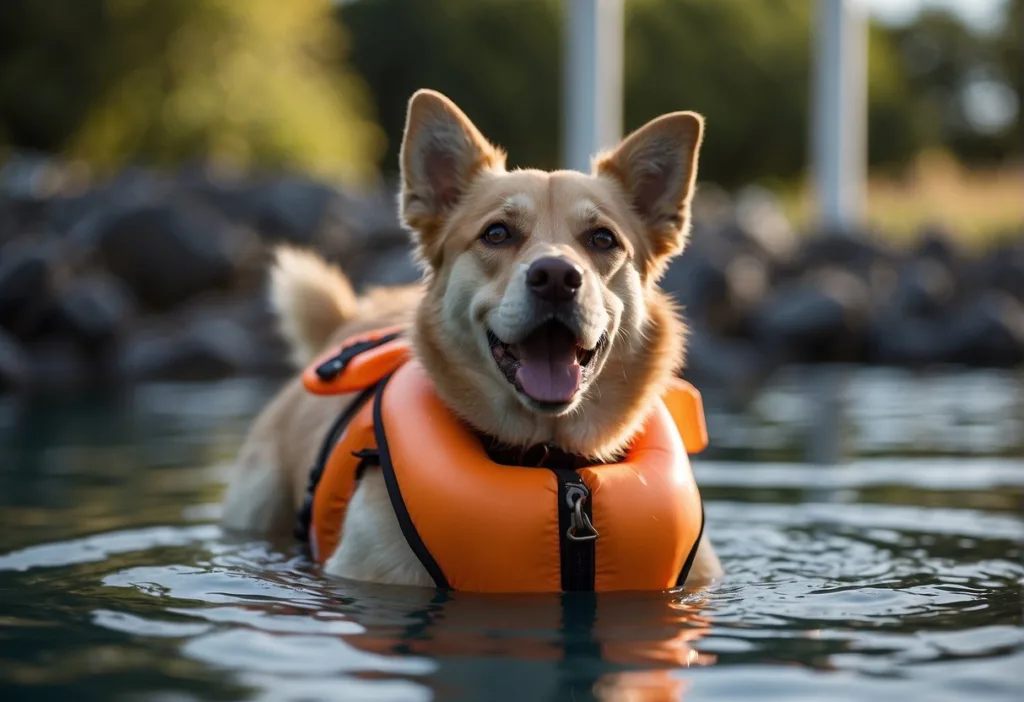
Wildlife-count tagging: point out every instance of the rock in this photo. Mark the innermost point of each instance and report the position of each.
(25, 287)
(14, 368)
(759, 214)
(988, 331)
(907, 341)
(925, 286)
(93, 310)
(1003, 268)
(698, 279)
(800, 315)
(734, 366)
(292, 209)
(167, 254)
(936, 243)
(57, 364)
(821, 317)
(208, 350)
(858, 253)
(395, 266)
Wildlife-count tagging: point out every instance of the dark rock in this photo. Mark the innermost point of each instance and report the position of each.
(57, 364)
(25, 287)
(988, 331)
(821, 317)
(763, 224)
(801, 315)
(698, 279)
(208, 350)
(925, 287)
(167, 254)
(391, 267)
(858, 253)
(734, 366)
(14, 367)
(897, 340)
(1003, 268)
(93, 310)
(936, 243)
(292, 209)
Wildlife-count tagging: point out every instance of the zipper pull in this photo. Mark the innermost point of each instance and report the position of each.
(580, 526)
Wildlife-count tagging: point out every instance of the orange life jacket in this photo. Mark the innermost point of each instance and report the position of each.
(480, 525)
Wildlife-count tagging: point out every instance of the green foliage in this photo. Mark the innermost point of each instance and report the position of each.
(744, 64)
(500, 60)
(254, 83)
(954, 73)
(278, 83)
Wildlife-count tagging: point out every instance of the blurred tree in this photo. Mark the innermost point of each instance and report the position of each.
(49, 69)
(965, 83)
(500, 60)
(116, 81)
(745, 65)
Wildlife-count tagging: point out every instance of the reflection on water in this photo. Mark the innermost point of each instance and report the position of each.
(895, 573)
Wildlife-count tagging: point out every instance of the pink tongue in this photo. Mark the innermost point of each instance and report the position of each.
(548, 371)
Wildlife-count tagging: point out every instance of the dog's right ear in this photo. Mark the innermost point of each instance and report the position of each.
(442, 151)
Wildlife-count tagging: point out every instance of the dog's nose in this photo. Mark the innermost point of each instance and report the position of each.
(554, 278)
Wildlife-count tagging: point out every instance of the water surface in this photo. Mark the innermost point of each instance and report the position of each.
(894, 575)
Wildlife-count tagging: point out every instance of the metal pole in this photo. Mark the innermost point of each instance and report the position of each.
(840, 113)
(839, 153)
(593, 79)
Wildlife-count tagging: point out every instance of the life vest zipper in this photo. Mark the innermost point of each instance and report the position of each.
(576, 541)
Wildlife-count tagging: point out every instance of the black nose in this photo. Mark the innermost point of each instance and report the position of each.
(554, 279)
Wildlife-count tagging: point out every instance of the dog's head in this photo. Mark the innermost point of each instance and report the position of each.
(543, 321)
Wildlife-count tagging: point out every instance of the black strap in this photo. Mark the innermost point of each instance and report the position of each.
(326, 371)
(681, 580)
(305, 516)
(578, 559)
(395, 493)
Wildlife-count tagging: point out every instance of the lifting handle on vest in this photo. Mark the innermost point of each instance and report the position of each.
(332, 367)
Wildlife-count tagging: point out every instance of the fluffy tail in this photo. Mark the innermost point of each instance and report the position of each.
(311, 298)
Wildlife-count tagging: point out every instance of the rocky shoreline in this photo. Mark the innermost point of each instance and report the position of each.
(161, 277)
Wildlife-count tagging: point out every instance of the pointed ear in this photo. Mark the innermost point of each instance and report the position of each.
(442, 151)
(657, 165)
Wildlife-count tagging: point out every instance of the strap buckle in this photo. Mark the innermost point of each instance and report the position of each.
(580, 522)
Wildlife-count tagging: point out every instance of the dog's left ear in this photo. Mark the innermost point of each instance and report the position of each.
(657, 165)
(442, 152)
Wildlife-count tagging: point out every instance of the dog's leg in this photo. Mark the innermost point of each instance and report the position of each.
(706, 568)
(258, 497)
(373, 547)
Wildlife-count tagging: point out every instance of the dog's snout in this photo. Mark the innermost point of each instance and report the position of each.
(554, 279)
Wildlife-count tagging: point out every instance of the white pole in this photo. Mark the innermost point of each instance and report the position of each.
(593, 79)
(839, 158)
(839, 115)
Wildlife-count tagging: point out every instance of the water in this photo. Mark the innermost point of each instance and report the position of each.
(895, 575)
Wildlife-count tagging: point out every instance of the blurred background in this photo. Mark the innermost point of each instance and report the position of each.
(153, 151)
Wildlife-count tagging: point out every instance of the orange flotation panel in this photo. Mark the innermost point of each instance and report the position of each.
(483, 526)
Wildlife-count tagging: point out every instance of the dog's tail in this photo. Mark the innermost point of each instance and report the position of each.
(311, 299)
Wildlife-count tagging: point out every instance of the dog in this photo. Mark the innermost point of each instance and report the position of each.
(539, 319)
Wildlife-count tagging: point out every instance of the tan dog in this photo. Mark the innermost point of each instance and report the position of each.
(540, 319)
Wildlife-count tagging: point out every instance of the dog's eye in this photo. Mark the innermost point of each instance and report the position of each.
(496, 235)
(603, 240)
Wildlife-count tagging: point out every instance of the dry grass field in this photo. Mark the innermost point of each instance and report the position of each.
(976, 206)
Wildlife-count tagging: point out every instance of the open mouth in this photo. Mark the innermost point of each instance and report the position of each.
(547, 366)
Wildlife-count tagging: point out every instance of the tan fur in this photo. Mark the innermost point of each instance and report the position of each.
(311, 299)
(454, 185)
